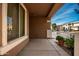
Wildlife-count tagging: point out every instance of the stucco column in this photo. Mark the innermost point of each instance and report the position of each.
(76, 45)
(4, 24)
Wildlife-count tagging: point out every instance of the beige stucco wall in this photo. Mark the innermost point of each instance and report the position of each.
(76, 49)
(38, 27)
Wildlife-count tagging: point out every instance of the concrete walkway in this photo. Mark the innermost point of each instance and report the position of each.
(42, 47)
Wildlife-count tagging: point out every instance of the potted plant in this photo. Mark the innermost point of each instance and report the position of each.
(70, 44)
(60, 40)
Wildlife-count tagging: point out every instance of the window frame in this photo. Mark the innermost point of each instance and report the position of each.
(19, 34)
(20, 22)
(4, 25)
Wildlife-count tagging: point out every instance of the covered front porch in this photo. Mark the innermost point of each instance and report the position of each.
(25, 33)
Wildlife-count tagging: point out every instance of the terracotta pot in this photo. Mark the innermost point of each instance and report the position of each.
(61, 42)
(65, 45)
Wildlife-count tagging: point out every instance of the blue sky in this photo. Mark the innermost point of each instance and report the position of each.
(66, 14)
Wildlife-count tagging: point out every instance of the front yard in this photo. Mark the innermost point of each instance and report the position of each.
(66, 41)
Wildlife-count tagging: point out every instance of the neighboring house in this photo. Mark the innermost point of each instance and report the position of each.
(59, 28)
(74, 26)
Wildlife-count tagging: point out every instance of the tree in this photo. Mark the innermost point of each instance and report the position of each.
(54, 26)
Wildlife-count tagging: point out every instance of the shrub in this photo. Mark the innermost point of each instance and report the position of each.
(59, 38)
(69, 42)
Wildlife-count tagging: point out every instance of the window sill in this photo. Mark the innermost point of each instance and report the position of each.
(12, 44)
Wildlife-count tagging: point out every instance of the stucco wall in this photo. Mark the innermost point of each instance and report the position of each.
(0, 24)
(76, 44)
(17, 48)
(38, 27)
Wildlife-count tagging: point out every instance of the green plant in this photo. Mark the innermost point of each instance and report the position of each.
(59, 38)
(69, 42)
(54, 26)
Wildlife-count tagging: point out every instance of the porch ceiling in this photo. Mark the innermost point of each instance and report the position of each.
(42, 9)
(39, 9)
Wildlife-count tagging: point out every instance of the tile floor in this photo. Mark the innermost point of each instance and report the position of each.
(42, 47)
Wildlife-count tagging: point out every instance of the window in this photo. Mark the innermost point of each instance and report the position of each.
(22, 21)
(15, 21)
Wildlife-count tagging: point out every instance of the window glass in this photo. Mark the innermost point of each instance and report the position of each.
(13, 21)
